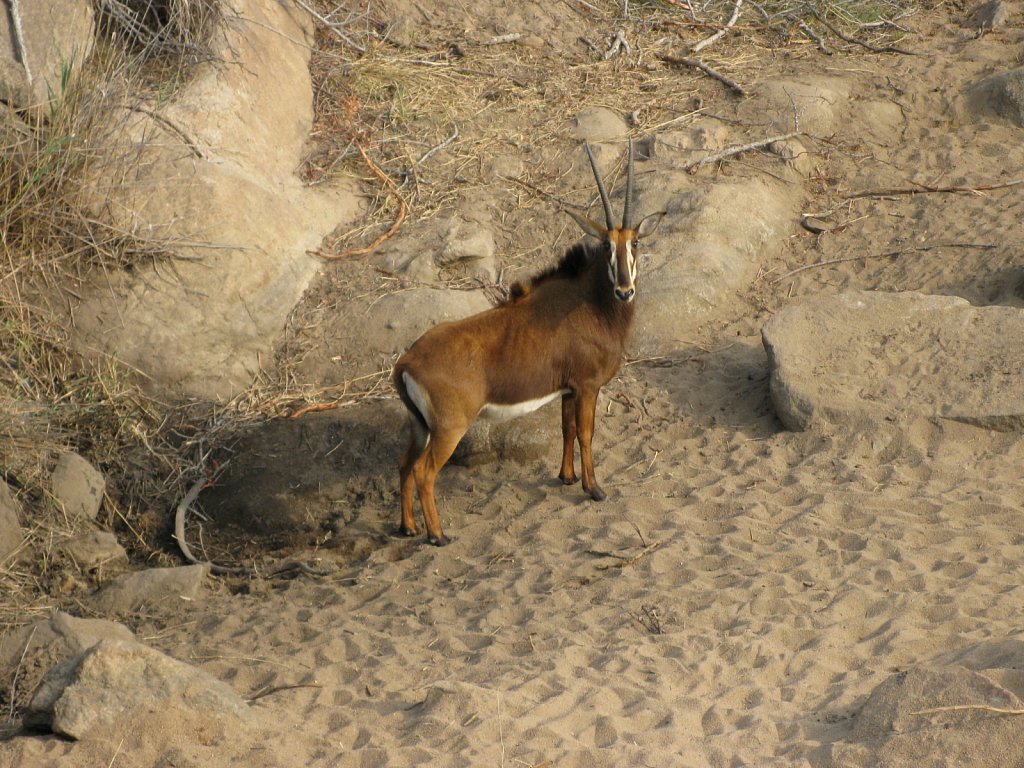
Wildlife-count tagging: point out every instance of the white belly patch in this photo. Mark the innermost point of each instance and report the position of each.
(492, 412)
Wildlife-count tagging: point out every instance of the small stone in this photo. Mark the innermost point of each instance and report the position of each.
(150, 589)
(77, 486)
(94, 549)
(11, 534)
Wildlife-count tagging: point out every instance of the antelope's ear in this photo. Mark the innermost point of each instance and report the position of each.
(648, 224)
(588, 225)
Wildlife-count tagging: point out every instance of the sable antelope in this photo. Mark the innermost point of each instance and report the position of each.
(561, 334)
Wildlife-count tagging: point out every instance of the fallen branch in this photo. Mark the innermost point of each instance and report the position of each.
(922, 189)
(288, 564)
(738, 150)
(623, 560)
(403, 209)
(278, 688)
(542, 192)
(179, 534)
(887, 255)
(696, 63)
(728, 25)
(855, 41)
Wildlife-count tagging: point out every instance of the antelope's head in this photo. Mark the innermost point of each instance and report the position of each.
(622, 242)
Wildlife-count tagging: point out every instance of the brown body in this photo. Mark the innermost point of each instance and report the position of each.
(560, 335)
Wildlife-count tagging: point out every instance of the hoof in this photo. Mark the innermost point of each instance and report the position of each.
(439, 541)
(597, 494)
(403, 531)
(568, 479)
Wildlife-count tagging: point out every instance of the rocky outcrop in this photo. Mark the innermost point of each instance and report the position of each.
(220, 188)
(866, 357)
(114, 678)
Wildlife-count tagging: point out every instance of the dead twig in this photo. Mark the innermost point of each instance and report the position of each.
(434, 150)
(698, 64)
(624, 561)
(728, 25)
(618, 45)
(502, 39)
(727, 153)
(333, 27)
(278, 688)
(403, 209)
(542, 192)
(970, 707)
(923, 189)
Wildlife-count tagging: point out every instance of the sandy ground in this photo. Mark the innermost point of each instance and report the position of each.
(738, 596)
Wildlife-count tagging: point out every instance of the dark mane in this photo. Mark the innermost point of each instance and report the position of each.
(573, 264)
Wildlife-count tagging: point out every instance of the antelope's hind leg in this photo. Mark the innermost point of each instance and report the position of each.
(440, 446)
(567, 474)
(418, 439)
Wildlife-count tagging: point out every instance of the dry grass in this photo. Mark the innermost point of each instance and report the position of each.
(462, 96)
(54, 232)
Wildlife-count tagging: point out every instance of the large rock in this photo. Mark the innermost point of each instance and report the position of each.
(1001, 95)
(57, 34)
(932, 716)
(708, 247)
(55, 639)
(221, 189)
(115, 678)
(864, 357)
(27, 652)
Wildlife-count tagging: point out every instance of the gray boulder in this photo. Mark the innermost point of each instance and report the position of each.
(95, 549)
(864, 357)
(222, 192)
(115, 678)
(1001, 95)
(932, 715)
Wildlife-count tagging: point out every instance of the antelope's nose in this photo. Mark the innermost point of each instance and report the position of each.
(624, 294)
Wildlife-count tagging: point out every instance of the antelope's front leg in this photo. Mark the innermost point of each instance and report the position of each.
(586, 408)
(568, 472)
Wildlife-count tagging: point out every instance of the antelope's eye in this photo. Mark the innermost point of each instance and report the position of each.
(635, 243)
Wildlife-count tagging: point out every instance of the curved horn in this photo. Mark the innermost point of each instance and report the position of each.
(600, 188)
(629, 188)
